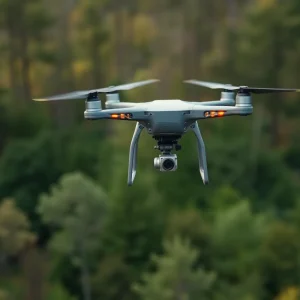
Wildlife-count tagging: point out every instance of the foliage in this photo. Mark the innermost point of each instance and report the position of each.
(4, 295)
(76, 207)
(191, 224)
(14, 230)
(291, 293)
(25, 171)
(244, 223)
(280, 257)
(175, 276)
(133, 232)
(236, 235)
(58, 292)
(113, 278)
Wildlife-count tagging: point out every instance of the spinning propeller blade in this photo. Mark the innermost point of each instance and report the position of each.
(84, 94)
(212, 85)
(229, 87)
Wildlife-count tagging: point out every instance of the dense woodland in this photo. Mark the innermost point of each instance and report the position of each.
(71, 228)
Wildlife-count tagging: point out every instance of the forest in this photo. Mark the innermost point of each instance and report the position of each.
(71, 228)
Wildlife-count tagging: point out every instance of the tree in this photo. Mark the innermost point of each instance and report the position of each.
(276, 25)
(4, 295)
(113, 278)
(191, 224)
(91, 32)
(280, 261)
(175, 276)
(14, 230)
(25, 171)
(76, 206)
(236, 235)
(224, 198)
(24, 23)
(134, 230)
(58, 292)
(291, 293)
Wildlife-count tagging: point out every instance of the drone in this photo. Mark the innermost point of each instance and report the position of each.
(167, 120)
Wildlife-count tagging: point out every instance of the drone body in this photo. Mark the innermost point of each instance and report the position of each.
(167, 120)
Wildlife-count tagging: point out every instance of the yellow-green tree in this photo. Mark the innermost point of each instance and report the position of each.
(14, 230)
(4, 295)
(24, 24)
(291, 293)
(280, 257)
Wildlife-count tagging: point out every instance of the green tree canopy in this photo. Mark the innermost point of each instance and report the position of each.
(235, 248)
(176, 276)
(280, 257)
(28, 167)
(76, 206)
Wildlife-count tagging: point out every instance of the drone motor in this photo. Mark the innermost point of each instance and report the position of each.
(243, 100)
(227, 96)
(92, 105)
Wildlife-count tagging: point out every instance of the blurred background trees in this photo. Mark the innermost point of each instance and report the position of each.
(70, 228)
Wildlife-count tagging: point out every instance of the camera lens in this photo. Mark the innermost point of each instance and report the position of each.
(168, 164)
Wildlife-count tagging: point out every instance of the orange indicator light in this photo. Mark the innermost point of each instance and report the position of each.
(213, 114)
(126, 116)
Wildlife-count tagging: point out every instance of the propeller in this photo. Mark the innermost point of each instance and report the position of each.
(84, 94)
(229, 87)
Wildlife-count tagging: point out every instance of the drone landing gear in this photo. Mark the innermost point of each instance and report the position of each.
(166, 144)
(133, 153)
(201, 153)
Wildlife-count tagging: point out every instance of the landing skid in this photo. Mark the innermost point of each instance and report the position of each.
(134, 150)
(201, 153)
(133, 153)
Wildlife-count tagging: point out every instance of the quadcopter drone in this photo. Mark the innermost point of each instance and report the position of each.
(167, 120)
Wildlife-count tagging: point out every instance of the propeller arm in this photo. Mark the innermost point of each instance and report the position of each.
(226, 102)
(112, 105)
(125, 113)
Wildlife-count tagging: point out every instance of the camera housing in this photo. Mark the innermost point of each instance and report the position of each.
(166, 162)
